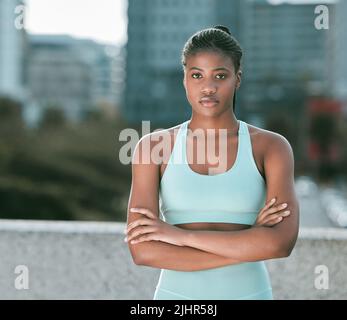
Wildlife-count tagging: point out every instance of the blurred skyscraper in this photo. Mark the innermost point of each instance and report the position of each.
(75, 75)
(338, 60)
(286, 57)
(12, 50)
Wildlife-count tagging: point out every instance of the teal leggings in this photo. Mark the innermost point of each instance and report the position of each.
(244, 281)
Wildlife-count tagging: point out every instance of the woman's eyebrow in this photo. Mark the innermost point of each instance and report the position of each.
(216, 69)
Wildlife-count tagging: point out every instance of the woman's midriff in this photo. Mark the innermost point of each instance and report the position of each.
(215, 226)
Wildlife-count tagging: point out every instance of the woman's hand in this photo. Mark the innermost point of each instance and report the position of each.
(271, 215)
(150, 227)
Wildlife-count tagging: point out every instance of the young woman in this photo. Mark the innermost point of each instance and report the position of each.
(218, 228)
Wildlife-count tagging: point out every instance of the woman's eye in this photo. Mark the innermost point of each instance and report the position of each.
(221, 76)
(218, 76)
(196, 75)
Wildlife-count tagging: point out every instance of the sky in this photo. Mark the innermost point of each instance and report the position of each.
(101, 20)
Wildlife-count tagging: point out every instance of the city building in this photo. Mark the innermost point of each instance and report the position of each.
(286, 57)
(12, 49)
(76, 75)
(338, 45)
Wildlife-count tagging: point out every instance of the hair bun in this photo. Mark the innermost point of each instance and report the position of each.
(223, 28)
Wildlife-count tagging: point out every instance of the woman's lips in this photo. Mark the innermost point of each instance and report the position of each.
(208, 102)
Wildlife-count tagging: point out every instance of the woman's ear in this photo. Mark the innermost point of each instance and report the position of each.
(238, 80)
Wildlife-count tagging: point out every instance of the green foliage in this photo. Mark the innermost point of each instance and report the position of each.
(53, 117)
(63, 171)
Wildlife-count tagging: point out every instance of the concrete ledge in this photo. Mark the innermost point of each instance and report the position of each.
(90, 260)
(118, 227)
(61, 226)
(323, 233)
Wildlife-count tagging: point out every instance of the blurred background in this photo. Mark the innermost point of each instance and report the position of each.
(73, 74)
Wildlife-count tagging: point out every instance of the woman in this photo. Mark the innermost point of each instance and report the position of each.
(219, 228)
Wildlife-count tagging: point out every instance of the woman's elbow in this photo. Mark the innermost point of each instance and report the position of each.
(138, 254)
(285, 250)
(282, 253)
(138, 260)
(284, 241)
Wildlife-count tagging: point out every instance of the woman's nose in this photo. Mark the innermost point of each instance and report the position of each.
(209, 89)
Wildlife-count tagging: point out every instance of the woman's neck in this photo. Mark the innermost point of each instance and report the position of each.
(231, 124)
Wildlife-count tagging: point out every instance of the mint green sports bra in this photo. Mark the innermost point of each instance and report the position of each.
(234, 196)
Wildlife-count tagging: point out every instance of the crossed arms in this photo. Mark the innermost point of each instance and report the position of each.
(211, 249)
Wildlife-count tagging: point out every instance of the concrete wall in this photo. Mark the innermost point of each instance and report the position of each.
(89, 260)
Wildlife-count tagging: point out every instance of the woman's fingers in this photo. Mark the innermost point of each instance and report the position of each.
(269, 204)
(272, 222)
(272, 214)
(148, 215)
(139, 222)
(262, 213)
(139, 231)
(285, 213)
(143, 238)
(277, 217)
(277, 208)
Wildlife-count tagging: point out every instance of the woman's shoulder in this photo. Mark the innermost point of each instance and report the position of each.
(158, 133)
(264, 134)
(159, 137)
(266, 138)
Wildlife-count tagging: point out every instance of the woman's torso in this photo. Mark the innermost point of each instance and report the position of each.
(257, 137)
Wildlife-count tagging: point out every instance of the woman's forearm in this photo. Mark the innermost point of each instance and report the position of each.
(252, 244)
(164, 255)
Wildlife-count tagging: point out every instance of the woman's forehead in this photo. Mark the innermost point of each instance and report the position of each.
(209, 60)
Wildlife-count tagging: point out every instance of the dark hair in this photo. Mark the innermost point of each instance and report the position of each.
(217, 38)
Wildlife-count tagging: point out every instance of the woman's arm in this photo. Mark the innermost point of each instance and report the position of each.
(257, 243)
(144, 193)
(158, 254)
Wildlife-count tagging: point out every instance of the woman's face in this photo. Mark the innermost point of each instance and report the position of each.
(210, 82)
